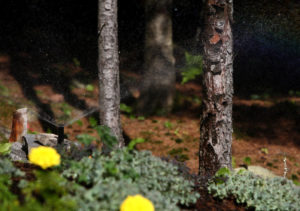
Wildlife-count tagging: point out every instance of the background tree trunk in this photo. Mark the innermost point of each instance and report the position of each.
(108, 67)
(216, 120)
(158, 86)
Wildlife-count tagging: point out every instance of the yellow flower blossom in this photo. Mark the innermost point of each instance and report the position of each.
(44, 157)
(136, 203)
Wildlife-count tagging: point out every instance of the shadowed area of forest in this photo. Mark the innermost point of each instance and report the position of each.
(266, 40)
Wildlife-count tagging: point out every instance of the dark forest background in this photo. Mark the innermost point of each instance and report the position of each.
(266, 37)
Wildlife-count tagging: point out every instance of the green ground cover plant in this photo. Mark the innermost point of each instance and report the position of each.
(255, 192)
(129, 172)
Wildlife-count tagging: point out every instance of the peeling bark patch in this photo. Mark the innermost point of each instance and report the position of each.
(218, 84)
(219, 25)
(107, 5)
(215, 39)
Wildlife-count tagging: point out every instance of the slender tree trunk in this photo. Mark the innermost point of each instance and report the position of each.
(216, 120)
(108, 67)
(158, 87)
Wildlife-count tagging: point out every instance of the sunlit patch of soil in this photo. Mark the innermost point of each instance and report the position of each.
(178, 138)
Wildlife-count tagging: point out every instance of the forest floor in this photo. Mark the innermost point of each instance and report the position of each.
(266, 130)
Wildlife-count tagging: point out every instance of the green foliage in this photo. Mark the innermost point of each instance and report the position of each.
(233, 162)
(48, 192)
(296, 182)
(66, 110)
(106, 137)
(168, 125)
(79, 122)
(294, 93)
(8, 200)
(89, 87)
(255, 97)
(192, 68)
(103, 196)
(86, 139)
(7, 168)
(295, 179)
(176, 132)
(141, 118)
(197, 100)
(49, 130)
(104, 133)
(93, 121)
(178, 154)
(178, 140)
(4, 90)
(263, 96)
(31, 132)
(264, 150)
(134, 142)
(125, 108)
(247, 161)
(155, 121)
(111, 178)
(221, 175)
(256, 192)
(4, 148)
(222, 172)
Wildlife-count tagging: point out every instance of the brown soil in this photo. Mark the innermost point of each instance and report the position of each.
(207, 202)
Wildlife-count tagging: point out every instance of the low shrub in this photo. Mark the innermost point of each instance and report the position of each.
(7, 168)
(259, 193)
(49, 191)
(107, 180)
(96, 182)
(8, 200)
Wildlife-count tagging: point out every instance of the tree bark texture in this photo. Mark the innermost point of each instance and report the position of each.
(108, 68)
(158, 86)
(216, 120)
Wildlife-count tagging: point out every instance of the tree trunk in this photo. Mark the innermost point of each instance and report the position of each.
(108, 67)
(158, 87)
(216, 120)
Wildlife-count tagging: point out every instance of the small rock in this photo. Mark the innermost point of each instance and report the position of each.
(260, 171)
(17, 152)
(32, 141)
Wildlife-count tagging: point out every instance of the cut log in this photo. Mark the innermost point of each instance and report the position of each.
(19, 125)
(19, 130)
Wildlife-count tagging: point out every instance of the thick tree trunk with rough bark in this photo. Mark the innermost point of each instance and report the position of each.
(108, 67)
(158, 87)
(216, 120)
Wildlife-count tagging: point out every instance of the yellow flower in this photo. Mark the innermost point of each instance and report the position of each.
(136, 203)
(44, 157)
